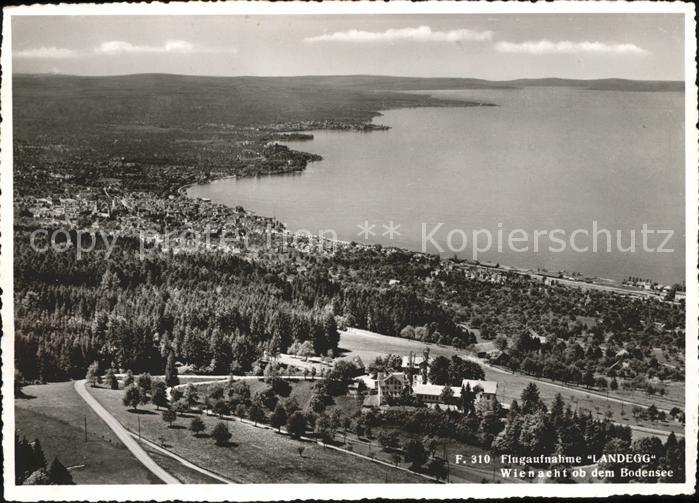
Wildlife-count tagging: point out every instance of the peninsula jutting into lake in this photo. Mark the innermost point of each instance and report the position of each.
(356, 279)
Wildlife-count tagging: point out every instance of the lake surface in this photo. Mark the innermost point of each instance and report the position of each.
(544, 159)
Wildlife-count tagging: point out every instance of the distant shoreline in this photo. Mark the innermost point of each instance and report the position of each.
(596, 282)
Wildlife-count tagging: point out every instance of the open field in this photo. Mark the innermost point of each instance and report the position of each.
(368, 345)
(174, 467)
(56, 416)
(255, 455)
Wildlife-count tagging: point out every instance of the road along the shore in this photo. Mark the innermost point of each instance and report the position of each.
(123, 435)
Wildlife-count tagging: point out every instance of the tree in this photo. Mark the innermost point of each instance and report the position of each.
(653, 450)
(332, 336)
(296, 424)
(128, 380)
(180, 406)
(111, 379)
(241, 410)
(571, 441)
(431, 444)
(221, 434)
(514, 364)
(447, 395)
(279, 417)
(197, 426)
(674, 459)
(133, 396)
(415, 454)
(291, 405)
(256, 413)
(460, 369)
(537, 435)
(652, 412)
(437, 469)
(93, 374)
(23, 459)
(530, 398)
(267, 398)
(439, 370)
(191, 395)
(145, 382)
(615, 446)
(59, 474)
(169, 416)
(389, 440)
(171, 378)
(557, 409)
(322, 427)
(175, 394)
(306, 350)
(159, 394)
(239, 392)
(216, 393)
(316, 404)
(38, 458)
(335, 421)
(468, 398)
(220, 408)
(614, 385)
(501, 342)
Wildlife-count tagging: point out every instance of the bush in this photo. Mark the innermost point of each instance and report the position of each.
(197, 426)
(221, 434)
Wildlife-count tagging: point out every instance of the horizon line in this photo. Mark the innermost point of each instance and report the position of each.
(590, 79)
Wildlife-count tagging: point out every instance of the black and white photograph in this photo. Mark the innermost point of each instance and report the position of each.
(348, 250)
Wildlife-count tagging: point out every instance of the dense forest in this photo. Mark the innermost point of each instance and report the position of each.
(217, 312)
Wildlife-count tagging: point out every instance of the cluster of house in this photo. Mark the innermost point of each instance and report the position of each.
(386, 388)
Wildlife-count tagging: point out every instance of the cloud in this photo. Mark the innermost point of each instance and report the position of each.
(567, 47)
(419, 34)
(116, 47)
(170, 47)
(45, 53)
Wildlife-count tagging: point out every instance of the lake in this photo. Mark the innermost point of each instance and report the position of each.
(544, 159)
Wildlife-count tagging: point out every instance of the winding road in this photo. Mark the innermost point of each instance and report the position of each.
(124, 435)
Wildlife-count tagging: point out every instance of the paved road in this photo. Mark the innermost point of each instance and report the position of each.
(124, 435)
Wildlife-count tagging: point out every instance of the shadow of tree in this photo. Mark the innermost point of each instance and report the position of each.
(142, 412)
(227, 444)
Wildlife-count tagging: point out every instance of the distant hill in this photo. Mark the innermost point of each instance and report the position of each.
(604, 84)
(58, 101)
(63, 103)
(417, 83)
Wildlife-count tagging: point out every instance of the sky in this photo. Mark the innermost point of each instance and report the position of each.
(489, 46)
